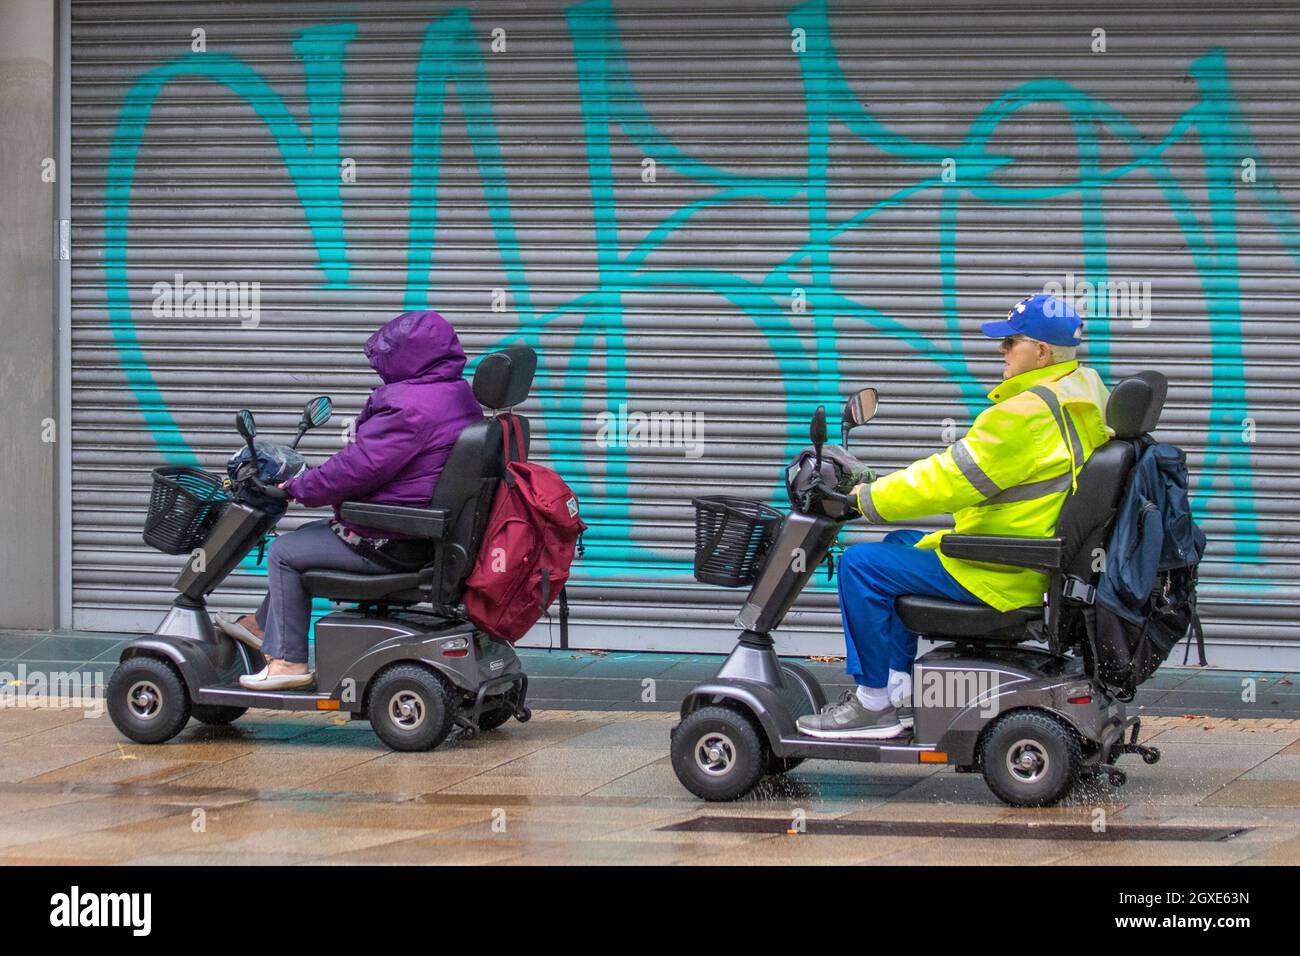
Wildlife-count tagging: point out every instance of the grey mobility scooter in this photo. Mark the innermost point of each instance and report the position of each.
(1032, 719)
(416, 672)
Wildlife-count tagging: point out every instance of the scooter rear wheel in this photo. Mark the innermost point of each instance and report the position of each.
(147, 700)
(1030, 758)
(718, 753)
(410, 708)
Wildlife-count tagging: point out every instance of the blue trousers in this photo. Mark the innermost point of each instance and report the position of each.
(871, 575)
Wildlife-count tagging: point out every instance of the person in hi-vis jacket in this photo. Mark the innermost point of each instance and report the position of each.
(1008, 475)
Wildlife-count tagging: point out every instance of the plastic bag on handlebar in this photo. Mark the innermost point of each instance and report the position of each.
(840, 472)
(276, 464)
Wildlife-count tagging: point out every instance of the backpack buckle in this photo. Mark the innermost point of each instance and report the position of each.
(1077, 589)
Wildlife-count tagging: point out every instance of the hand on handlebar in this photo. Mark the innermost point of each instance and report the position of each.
(858, 489)
(269, 491)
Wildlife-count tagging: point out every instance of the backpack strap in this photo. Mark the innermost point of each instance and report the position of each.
(519, 437)
(510, 426)
(1194, 628)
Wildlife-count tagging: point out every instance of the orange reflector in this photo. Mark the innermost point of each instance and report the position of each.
(933, 756)
(1085, 699)
(327, 705)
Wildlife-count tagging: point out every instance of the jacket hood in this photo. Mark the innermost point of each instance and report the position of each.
(416, 345)
(1026, 380)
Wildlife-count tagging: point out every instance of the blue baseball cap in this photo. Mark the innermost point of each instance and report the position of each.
(1043, 317)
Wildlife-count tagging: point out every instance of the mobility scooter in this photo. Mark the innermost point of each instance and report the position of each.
(415, 673)
(1033, 720)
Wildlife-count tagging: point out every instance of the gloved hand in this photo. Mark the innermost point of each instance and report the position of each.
(273, 492)
(860, 488)
(858, 477)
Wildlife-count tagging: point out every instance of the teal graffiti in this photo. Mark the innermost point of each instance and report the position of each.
(451, 57)
(313, 165)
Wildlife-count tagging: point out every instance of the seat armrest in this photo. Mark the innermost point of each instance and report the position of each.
(399, 519)
(1021, 551)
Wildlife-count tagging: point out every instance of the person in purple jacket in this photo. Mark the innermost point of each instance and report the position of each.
(403, 437)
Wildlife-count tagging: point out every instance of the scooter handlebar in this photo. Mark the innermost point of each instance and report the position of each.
(849, 502)
(274, 492)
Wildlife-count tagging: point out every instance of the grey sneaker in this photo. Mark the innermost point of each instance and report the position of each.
(844, 696)
(903, 707)
(905, 715)
(849, 720)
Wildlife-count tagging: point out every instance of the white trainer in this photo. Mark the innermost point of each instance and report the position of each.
(264, 680)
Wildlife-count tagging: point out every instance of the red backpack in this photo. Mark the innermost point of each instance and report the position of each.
(528, 544)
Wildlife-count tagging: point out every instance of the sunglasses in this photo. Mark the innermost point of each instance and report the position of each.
(1011, 341)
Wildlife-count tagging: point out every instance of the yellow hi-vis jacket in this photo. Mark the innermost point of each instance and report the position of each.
(1008, 475)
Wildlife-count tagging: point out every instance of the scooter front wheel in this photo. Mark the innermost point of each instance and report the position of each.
(147, 700)
(718, 753)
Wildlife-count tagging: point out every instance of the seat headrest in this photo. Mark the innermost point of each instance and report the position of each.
(1135, 404)
(503, 378)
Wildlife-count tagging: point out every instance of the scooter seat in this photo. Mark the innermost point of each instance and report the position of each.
(345, 586)
(967, 622)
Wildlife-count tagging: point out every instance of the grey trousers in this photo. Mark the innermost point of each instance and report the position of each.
(285, 614)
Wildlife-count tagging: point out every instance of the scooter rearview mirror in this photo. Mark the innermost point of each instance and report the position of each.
(247, 427)
(818, 430)
(818, 433)
(317, 412)
(858, 410)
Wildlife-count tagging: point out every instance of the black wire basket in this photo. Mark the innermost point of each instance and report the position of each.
(184, 505)
(732, 537)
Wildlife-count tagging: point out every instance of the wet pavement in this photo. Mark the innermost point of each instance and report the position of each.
(588, 781)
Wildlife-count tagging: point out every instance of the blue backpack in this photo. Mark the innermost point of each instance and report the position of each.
(1146, 596)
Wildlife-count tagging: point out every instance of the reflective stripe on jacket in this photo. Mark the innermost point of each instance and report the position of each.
(1008, 475)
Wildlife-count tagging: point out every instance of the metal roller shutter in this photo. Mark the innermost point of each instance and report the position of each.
(907, 175)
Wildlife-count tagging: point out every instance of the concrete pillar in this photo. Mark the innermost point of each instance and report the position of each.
(29, 345)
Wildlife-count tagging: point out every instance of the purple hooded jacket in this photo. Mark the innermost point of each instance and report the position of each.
(407, 427)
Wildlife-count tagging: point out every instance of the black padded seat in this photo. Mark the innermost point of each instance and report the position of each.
(956, 621)
(346, 586)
